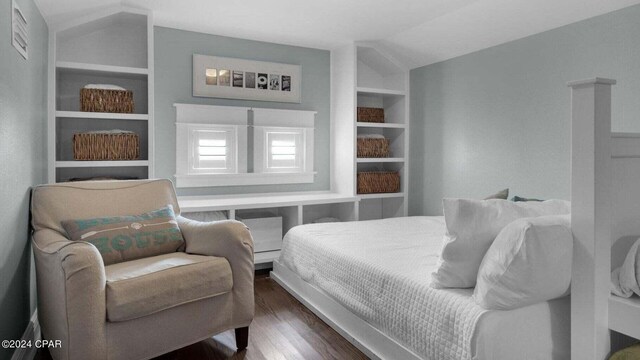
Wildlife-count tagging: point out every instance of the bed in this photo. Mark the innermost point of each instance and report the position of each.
(605, 208)
(370, 281)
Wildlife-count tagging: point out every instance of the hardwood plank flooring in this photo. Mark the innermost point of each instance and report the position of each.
(283, 329)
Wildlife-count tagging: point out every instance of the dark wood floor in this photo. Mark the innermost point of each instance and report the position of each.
(282, 329)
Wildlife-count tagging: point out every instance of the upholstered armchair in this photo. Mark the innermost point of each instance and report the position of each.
(140, 307)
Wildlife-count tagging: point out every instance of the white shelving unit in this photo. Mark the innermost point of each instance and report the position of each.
(110, 47)
(294, 209)
(364, 75)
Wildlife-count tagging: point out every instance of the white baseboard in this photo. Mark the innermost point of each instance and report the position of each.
(32, 334)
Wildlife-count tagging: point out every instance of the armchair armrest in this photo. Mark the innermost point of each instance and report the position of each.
(71, 285)
(229, 238)
(232, 240)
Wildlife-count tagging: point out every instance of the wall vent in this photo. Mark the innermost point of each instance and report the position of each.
(19, 36)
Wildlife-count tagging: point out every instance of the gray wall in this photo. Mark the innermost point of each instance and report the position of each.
(500, 117)
(23, 86)
(173, 73)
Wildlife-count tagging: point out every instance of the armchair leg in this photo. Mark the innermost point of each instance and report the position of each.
(242, 337)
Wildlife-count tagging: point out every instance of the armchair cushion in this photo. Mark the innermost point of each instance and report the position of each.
(145, 286)
(123, 238)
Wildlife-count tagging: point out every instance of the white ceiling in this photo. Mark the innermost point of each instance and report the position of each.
(419, 32)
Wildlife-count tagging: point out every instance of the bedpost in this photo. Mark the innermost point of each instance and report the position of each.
(590, 217)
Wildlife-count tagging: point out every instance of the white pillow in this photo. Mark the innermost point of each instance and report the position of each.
(472, 225)
(529, 262)
(624, 280)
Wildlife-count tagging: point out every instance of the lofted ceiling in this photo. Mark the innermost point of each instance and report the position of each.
(419, 32)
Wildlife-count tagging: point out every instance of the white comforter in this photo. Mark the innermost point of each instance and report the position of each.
(380, 271)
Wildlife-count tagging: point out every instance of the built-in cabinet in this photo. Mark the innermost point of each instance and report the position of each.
(114, 47)
(270, 216)
(364, 75)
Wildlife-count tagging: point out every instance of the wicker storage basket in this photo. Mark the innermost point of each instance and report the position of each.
(371, 182)
(105, 146)
(111, 101)
(373, 148)
(373, 115)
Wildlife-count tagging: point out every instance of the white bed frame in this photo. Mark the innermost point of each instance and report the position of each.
(605, 215)
(371, 341)
(605, 208)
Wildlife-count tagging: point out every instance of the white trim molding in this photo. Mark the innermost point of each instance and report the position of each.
(206, 180)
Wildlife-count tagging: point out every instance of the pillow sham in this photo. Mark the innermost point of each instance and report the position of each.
(529, 262)
(124, 238)
(471, 226)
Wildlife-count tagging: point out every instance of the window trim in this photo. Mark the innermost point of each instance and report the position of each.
(191, 116)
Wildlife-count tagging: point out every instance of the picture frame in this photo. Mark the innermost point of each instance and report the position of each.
(230, 78)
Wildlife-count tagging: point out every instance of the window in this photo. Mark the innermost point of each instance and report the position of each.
(225, 145)
(284, 150)
(213, 150)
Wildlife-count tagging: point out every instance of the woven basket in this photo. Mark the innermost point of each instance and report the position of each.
(111, 101)
(372, 115)
(373, 148)
(96, 146)
(372, 182)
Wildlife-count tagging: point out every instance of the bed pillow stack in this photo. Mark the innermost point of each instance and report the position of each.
(529, 262)
(472, 226)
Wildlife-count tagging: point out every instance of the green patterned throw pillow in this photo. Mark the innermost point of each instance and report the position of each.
(124, 238)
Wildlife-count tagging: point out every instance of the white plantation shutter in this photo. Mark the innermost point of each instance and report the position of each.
(285, 150)
(214, 151)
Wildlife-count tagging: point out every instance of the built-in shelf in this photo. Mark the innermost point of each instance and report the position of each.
(369, 77)
(97, 68)
(380, 196)
(79, 163)
(100, 115)
(380, 160)
(114, 47)
(239, 202)
(292, 209)
(374, 91)
(380, 125)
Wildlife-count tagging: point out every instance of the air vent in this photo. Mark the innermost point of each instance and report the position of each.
(20, 39)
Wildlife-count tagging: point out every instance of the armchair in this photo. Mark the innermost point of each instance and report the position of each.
(140, 308)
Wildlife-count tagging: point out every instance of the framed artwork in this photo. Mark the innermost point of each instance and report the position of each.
(230, 78)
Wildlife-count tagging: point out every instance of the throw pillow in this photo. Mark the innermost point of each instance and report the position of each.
(529, 262)
(472, 225)
(123, 238)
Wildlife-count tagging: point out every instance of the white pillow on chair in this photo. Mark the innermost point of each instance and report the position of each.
(529, 262)
(472, 225)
